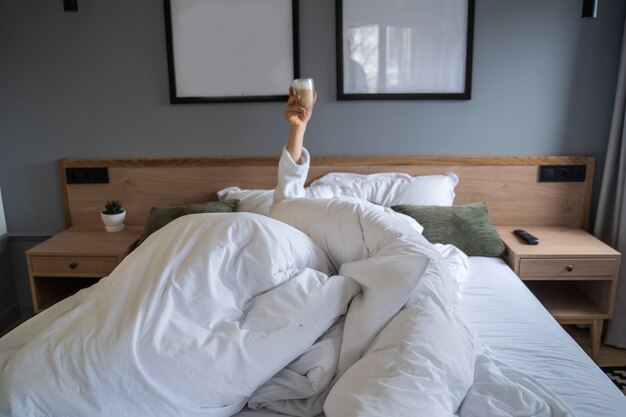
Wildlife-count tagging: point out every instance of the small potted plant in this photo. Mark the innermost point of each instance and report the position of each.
(113, 216)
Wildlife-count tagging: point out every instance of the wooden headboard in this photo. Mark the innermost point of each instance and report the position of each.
(509, 185)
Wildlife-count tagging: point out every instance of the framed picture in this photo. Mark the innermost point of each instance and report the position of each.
(404, 49)
(231, 50)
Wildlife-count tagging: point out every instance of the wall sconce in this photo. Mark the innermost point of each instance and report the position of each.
(70, 6)
(590, 9)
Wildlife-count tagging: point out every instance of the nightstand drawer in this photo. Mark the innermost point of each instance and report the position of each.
(564, 268)
(73, 265)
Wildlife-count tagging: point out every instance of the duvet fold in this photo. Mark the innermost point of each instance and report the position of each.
(190, 324)
(406, 350)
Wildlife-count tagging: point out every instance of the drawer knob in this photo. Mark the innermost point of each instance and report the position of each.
(569, 268)
(73, 265)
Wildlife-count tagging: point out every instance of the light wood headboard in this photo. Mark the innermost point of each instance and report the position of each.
(508, 185)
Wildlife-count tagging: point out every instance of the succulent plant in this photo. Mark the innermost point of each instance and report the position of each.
(113, 207)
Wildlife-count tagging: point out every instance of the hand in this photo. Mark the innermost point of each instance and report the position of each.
(296, 115)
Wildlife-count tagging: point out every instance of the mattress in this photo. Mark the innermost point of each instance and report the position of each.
(523, 334)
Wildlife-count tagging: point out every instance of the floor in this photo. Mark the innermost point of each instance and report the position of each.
(608, 356)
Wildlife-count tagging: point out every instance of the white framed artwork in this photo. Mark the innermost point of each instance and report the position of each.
(231, 50)
(404, 49)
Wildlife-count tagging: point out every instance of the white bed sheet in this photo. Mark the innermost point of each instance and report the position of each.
(522, 333)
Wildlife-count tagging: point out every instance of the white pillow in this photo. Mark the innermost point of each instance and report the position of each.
(428, 190)
(348, 178)
(388, 189)
(385, 189)
(250, 201)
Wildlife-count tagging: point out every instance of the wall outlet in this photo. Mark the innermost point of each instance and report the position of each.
(562, 173)
(87, 175)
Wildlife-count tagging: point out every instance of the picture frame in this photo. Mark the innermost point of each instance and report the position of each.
(221, 51)
(404, 49)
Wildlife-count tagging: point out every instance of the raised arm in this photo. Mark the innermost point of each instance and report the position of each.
(293, 166)
(297, 116)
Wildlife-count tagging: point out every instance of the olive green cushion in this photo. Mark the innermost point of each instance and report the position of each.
(225, 206)
(160, 216)
(466, 227)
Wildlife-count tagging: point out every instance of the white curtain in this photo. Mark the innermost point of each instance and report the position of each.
(610, 223)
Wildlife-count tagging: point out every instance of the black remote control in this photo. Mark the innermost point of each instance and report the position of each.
(526, 237)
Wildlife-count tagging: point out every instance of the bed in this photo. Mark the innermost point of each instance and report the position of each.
(505, 315)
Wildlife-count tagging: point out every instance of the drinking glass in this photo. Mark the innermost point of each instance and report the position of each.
(305, 89)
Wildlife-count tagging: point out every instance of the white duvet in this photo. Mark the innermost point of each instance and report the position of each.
(339, 305)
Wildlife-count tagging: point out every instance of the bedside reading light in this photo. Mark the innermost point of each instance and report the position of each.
(70, 6)
(590, 9)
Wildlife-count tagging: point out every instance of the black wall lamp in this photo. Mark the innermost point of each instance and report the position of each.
(590, 9)
(70, 6)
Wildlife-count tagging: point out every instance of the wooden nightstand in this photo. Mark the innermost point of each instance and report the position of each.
(572, 273)
(74, 259)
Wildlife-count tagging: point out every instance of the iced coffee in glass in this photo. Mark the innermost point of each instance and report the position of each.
(305, 89)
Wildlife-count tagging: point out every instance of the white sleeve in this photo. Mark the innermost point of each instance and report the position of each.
(291, 176)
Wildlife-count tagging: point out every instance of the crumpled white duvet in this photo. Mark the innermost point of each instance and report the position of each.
(217, 311)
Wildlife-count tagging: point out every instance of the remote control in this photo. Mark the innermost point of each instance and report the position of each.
(527, 237)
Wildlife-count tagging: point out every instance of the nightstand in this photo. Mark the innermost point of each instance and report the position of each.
(573, 274)
(75, 259)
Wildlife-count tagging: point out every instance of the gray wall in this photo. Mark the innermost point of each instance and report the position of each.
(94, 85)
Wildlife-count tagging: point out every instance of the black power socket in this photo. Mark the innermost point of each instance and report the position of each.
(87, 175)
(562, 173)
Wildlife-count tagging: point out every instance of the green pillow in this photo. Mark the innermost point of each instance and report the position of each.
(466, 227)
(225, 206)
(160, 216)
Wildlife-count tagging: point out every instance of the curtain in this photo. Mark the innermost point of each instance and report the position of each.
(3, 223)
(610, 225)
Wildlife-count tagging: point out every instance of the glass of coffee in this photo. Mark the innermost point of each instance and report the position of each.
(305, 89)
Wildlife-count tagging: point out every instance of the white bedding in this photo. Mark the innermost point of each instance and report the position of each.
(189, 324)
(521, 333)
(196, 321)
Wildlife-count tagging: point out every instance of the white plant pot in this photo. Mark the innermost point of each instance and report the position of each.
(113, 222)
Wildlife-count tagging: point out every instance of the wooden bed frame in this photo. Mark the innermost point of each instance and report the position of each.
(509, 185)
